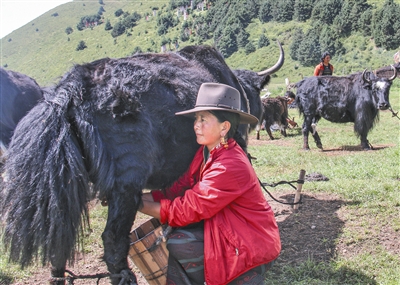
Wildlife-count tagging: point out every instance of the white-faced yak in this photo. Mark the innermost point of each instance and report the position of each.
(354, 98)
(110, 123)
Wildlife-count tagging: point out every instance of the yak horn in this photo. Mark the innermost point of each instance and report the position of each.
(364, 78)
(277, 65)
(395, 73)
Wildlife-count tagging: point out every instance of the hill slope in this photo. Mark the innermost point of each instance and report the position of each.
(43, 50)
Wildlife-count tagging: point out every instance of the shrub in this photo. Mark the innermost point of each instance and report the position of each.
(68, 30)
(118, 29)
(137, 50)
(108, 26)
(81, 46)
(249, 48)
(263, 41)
(118, 13)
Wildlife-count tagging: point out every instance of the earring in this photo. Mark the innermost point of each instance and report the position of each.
(224, 143)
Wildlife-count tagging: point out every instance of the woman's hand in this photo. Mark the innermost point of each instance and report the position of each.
(150, 207)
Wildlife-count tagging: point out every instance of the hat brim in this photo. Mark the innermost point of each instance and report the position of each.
(245, 118)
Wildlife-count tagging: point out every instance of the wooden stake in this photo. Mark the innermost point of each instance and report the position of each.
(299, 186)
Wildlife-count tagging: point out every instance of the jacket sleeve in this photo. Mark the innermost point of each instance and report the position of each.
(317, 70)
(217, 189)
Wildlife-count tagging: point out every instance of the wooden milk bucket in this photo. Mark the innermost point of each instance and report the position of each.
(150, 256)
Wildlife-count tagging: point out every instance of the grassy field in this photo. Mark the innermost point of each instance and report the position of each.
(368, 184)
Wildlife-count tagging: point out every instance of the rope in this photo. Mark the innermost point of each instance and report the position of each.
(124, 275)
(279, 183)
(393, 113)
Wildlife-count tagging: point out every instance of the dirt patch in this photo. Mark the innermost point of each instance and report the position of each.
(311, 231)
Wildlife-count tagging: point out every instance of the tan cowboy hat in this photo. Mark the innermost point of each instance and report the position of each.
(217, 96)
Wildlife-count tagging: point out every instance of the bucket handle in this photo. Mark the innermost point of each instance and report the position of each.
(162, 237)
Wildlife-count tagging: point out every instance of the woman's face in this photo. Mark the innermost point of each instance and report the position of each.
(327, 59)
(209, 130)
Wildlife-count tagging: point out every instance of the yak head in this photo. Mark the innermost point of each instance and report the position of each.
(253, 82)
(380, 88)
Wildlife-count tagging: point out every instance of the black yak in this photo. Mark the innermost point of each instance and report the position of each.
(111, 123)
(18, 94)
(354, 98)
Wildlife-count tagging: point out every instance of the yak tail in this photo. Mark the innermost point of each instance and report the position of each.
(44, 199)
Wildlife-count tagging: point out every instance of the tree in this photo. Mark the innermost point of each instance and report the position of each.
(265, 12)
(309, 51)
(118, 30)
(358, 9)
(81, 46)
(85, 20)
(343, 22)
(130, 20)
(118, 13)
(184, 35)
(164, 22)
(227, 43)
(242, 38)
(68, 30)
(386, 26)
(347, 20)
(329, 42)
(263, 41)
(365, 23)
(249, 48)
(325, 11)
(101, 10)
(297, 38)
(201, 27)
(108, 26)
(302, 10)
(284, 10)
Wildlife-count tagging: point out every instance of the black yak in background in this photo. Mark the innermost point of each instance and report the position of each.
(354, 98)
(18, 94)
(110, 122)
(275, 112)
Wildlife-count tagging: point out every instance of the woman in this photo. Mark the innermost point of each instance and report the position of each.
(324, 68)
(226, 232)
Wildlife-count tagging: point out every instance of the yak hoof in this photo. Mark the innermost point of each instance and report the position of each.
(127, 278)
(366, 146)
(319, 145)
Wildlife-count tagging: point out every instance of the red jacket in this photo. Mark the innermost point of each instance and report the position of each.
(240, 231)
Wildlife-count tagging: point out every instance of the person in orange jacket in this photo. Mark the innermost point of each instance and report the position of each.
(324, 68)
(225, 231)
